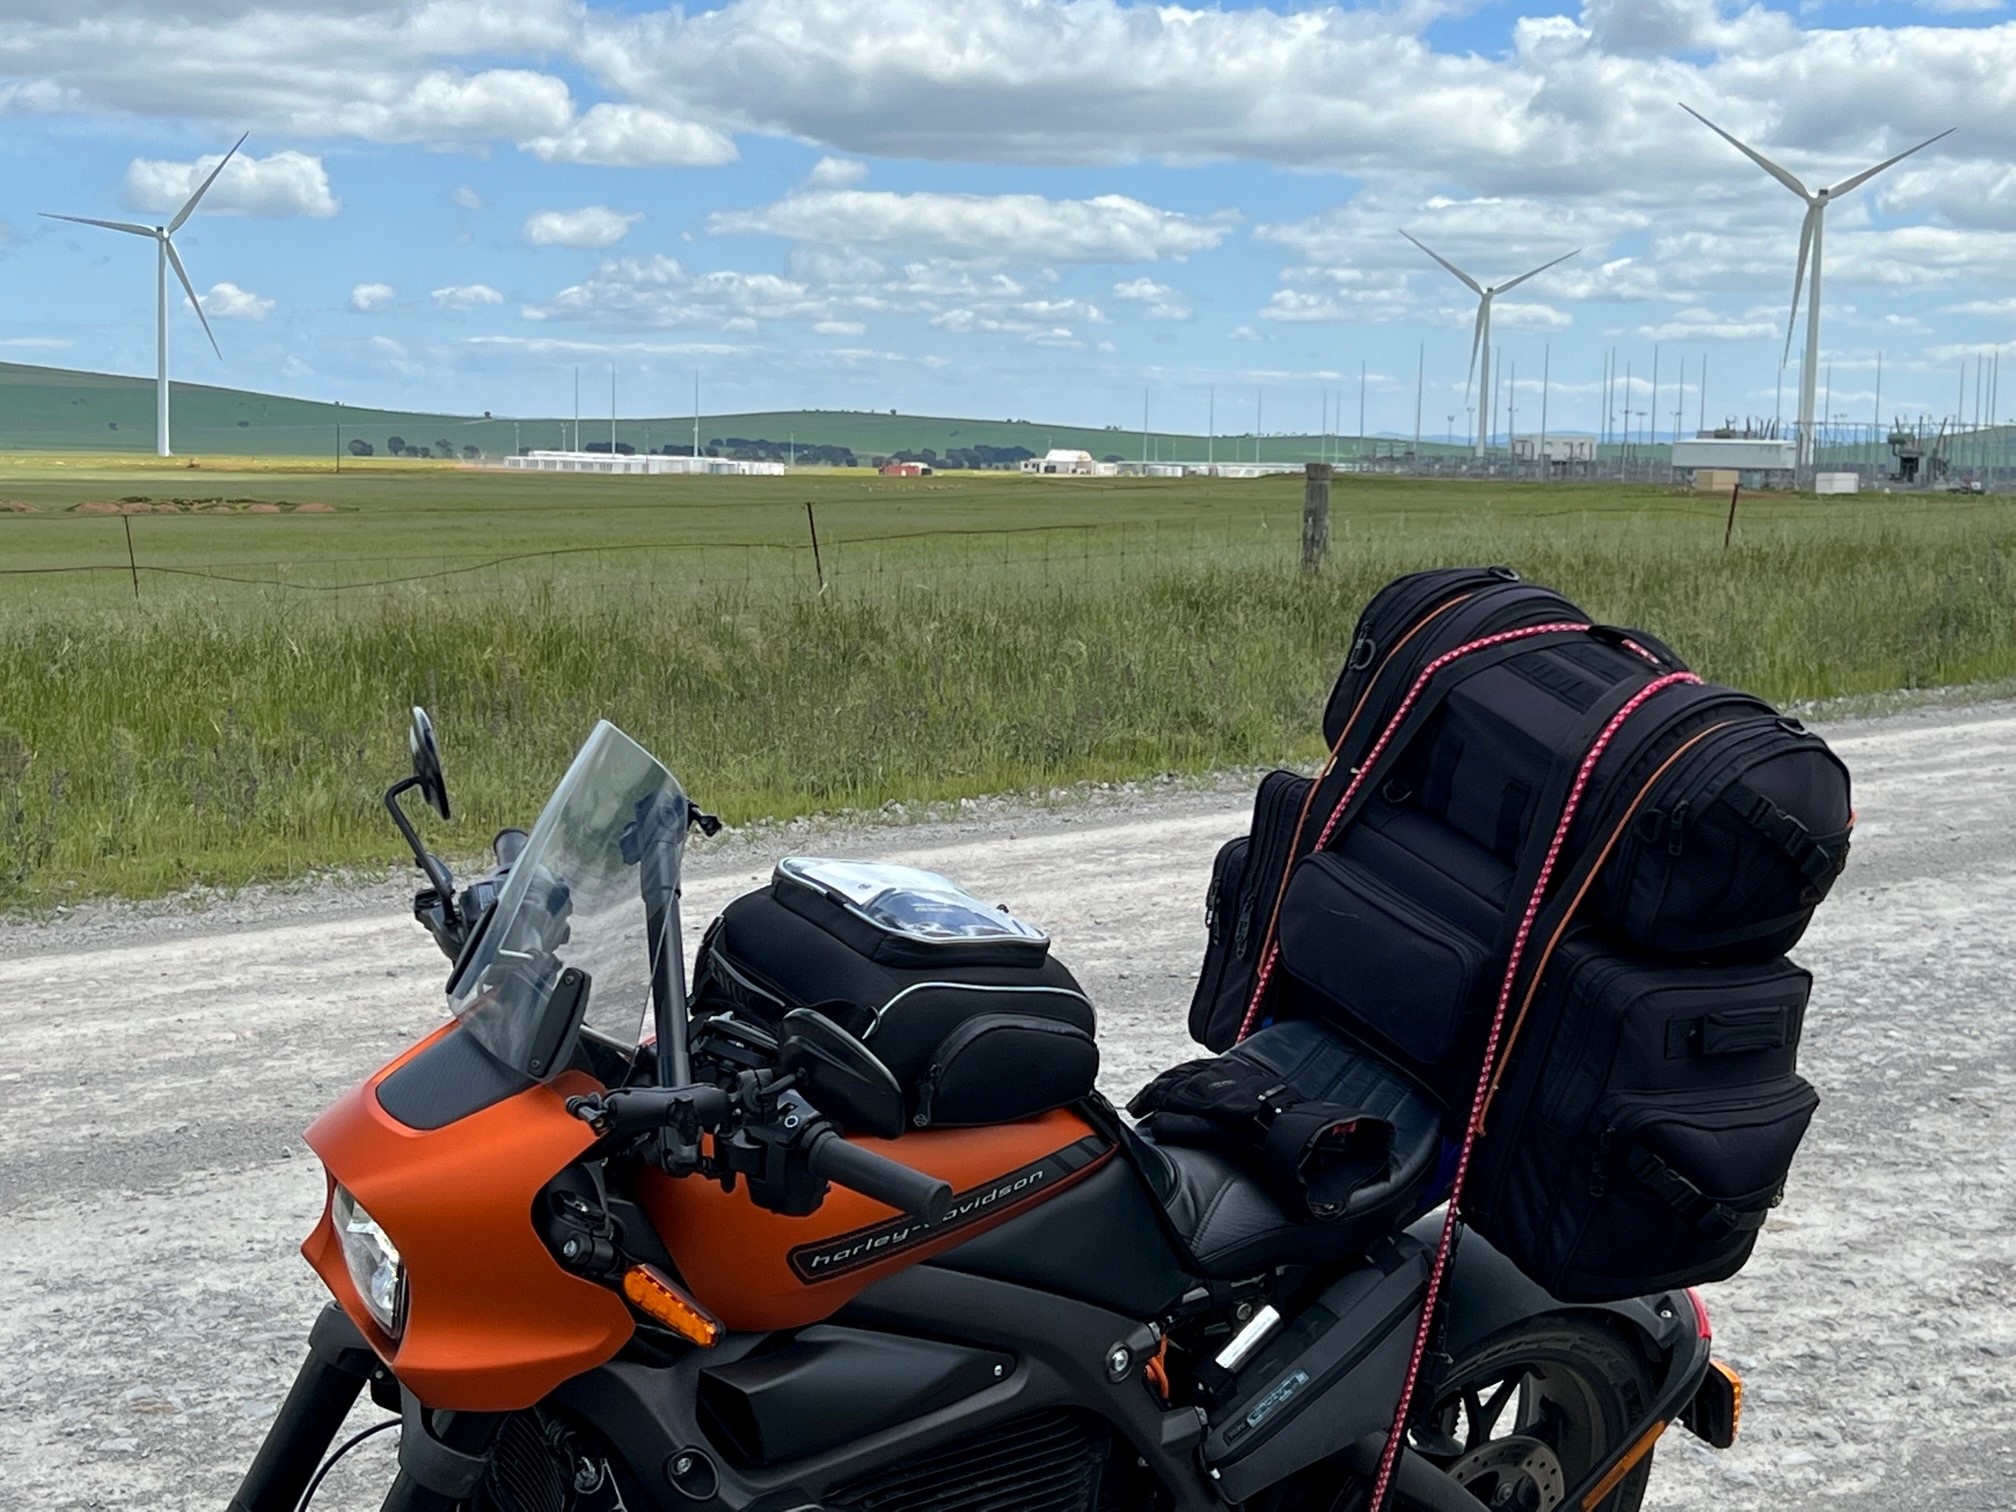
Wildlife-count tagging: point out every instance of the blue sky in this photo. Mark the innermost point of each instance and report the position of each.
(1009, 207)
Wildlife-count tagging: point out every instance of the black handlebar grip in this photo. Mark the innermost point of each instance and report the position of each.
(887, 1181)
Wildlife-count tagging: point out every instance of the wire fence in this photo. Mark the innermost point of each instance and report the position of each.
(1108, 552)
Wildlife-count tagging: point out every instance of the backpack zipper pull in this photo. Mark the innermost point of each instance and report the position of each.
(922, 1117)
(1674, 823)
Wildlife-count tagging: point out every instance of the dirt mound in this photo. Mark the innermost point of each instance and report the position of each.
(19, 506)
(136, 504)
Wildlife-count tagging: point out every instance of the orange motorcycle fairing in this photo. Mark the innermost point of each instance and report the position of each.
(493, 1322)
(759, 1270)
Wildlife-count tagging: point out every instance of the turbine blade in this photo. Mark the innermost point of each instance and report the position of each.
(1469, 282)
(1476, 341)
(1752, 153)
(1868, 173)
(85, 220)
(1514, 283)
(1799, 279)
(190, 289)
(204, 187)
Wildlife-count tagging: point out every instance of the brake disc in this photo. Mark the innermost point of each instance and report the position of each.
(1514, 1472)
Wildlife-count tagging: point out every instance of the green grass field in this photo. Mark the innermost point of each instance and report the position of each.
(975, 633)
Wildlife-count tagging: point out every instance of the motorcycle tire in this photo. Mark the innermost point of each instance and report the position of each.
(1523, 1416)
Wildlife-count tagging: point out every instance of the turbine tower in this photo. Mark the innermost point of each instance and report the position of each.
(1480, 341)
(165, 257)
(1812, 231)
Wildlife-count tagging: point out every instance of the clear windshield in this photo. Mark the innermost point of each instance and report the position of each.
(573, 900)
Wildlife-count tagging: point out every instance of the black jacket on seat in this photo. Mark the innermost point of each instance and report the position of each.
(1225, 1219)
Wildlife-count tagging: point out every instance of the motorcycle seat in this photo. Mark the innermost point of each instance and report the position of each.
(1225, 1220)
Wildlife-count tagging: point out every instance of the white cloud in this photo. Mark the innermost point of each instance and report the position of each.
(836, 173)
(1109, 228)
(466, 296)
(1158, 301)
(634, 136)
(34, 97)
(839, 327)
(1698, 324)
(591, 226)
(369, 296)
(465, 197)
(1515, 316)
(445, 106)
(286, 183)
(229, 302)
(38, 343)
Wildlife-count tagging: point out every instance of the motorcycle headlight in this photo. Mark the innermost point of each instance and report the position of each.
(373, 1260)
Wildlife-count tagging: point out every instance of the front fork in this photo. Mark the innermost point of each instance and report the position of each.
(442, 1455)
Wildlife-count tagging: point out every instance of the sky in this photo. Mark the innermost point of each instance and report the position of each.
(1057, 210)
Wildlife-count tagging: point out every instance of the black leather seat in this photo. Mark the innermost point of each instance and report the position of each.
(1225, 1219)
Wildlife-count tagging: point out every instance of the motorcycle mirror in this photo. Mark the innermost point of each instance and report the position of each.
(427, 762)
(843, 1078)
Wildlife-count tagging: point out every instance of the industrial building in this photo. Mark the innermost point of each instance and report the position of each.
(1758, 462)
(645, 463)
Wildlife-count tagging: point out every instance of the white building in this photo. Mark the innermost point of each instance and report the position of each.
(1059, 462)
(646, 463)
(1747, 454)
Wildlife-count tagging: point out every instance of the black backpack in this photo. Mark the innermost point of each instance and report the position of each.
(1392, 890)
(1731, 849)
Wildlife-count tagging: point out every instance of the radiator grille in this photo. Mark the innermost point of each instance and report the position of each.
(1046, 1462)
(524, 1474)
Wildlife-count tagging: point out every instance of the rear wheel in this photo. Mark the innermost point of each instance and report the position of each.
(1527, 1414)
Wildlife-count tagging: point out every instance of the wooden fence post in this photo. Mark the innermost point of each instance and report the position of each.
(1315, 515)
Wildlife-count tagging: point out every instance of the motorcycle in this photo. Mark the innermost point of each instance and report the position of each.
(582, 1267)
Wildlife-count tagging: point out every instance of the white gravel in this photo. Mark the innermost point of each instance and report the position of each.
(157, 1066)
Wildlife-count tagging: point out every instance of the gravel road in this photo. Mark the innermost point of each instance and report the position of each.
(156, 1069)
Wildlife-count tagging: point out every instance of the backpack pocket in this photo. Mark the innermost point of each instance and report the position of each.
(999, 1067)
(1245, 880)
(1674, 1191)
(1380, 960)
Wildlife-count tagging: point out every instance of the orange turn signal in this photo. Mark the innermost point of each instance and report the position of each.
(1717, 1409)
(658, 1297)
(1728, 1373)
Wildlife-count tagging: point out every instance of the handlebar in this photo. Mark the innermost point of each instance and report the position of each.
(889, 1182)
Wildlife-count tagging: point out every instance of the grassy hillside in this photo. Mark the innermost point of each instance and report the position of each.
(54, 409)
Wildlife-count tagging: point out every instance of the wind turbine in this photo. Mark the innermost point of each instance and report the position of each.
(1811, 234)
(165, 256)
(1480, 341)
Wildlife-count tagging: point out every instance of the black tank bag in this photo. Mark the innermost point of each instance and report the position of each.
(965, 1005)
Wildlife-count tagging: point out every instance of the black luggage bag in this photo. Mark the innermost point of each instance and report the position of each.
(1740, 817)
(965, 1005)
(1647, 1106)
(1644, 1122)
